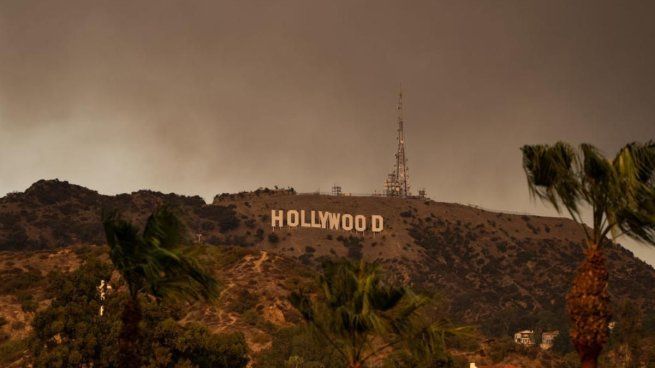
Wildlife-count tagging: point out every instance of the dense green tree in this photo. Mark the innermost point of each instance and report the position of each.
(363, 316)
(562, 344)
(171, 345)
(620, 196)
(427, 349)
(298, 346)
(71, 332)
(502, 347)
(155, 262)
(627, 339)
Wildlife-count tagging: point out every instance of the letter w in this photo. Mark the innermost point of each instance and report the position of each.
(334, 221)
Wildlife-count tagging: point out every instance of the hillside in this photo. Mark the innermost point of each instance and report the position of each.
(486, 265)
(483, 260)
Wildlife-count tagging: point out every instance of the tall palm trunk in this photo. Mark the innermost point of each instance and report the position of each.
(129, 337)
(588, 307)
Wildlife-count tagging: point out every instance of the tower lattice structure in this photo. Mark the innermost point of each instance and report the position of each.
(397, 182)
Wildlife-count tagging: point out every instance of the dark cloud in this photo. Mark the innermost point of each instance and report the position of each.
(207, 96)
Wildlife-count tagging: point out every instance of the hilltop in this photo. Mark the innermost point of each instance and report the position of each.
(497, 270)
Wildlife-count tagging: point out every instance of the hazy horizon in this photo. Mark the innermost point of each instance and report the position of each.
(223, 96)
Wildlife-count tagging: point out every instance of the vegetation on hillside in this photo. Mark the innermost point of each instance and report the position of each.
(71, 332)
(501, 272)
(53, 214)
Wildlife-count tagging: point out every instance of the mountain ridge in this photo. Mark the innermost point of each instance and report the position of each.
(484, 262)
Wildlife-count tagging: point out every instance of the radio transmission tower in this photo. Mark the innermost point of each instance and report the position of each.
(397, 183)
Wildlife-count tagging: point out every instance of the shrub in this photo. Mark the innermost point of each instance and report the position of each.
(260, 234)
(244, 301)
(306, 258)
(501, 348)
(297, 345)
(17, 238)
(11, 351)
(15, 280)
(354, 245)
(224, 216)
(273, 238)
(562, 343)
(195, 346)
(207, 226)
(27, 302)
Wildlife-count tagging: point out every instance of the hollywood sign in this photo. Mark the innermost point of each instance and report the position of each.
(326, 220)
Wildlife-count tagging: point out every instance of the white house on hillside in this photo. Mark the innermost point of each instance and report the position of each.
(547, 339)
(525, 337)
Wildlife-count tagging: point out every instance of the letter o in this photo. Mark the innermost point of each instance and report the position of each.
(347, 222)
(360, 223)
(293, 218)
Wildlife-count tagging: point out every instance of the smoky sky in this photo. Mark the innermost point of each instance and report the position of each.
(204, 97)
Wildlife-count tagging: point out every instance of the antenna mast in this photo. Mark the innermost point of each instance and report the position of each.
(397, 183)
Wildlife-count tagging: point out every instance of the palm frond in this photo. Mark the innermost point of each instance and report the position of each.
(174, 274)
(635, 213)
(637, 161)
(157, 261)
(551, 175)
(620, 193)
(357, 309)
(165, 228)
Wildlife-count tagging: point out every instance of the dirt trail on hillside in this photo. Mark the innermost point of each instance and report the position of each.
(224, 320)
(258, 263)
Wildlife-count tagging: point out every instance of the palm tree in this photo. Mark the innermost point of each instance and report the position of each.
(620, 195)
(152, 262)
(358, 313)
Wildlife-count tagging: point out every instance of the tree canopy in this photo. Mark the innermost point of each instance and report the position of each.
(620, 193)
